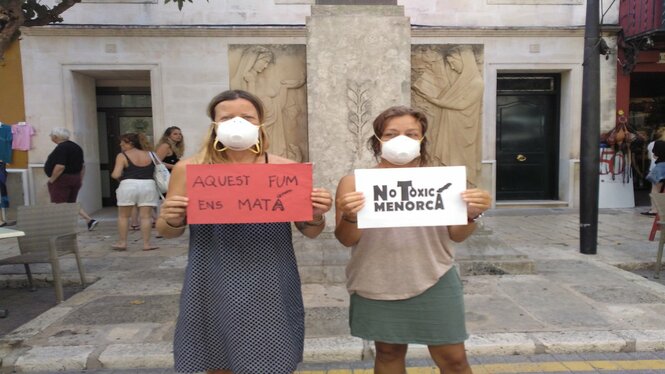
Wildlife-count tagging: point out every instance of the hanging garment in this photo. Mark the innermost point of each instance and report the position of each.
(4, 197)
(6, 143)
(22, 134)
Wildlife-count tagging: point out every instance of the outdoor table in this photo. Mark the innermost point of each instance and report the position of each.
(4, 234)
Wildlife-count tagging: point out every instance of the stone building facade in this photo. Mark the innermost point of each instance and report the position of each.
(121, 65)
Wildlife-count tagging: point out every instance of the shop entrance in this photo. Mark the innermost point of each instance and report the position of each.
(120, 110)
(646, 115)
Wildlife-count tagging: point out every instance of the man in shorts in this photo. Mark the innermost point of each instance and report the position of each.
(64, 168)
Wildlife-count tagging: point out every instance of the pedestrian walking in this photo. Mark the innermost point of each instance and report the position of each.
(659, 135)
(134, 168)
(65, 169)
(241, 308)
(403, 285)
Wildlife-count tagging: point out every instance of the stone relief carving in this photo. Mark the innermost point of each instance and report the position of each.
(447, 85)
(359, 106)
(277, 75)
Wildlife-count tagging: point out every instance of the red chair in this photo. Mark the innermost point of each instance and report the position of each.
(659, 201)
(655, 227)
(656, 218)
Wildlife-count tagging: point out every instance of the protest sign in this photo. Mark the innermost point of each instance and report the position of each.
(401, 197)
(249, 193)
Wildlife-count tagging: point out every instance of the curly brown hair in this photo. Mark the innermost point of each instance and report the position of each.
(138, 140)
(379, 125)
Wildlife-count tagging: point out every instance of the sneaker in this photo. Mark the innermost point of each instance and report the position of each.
(91, 224)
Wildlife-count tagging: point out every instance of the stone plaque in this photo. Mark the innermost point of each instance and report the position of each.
(447, 84)
(277, 75)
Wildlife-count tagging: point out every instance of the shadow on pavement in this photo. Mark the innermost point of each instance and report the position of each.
(24, 305)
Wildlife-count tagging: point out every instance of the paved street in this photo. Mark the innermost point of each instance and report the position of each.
(534, 303)
(607, 363)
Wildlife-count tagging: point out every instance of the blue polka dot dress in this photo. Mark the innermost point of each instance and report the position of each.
(241, 306)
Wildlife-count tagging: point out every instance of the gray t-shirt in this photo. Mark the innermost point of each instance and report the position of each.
(399, 263)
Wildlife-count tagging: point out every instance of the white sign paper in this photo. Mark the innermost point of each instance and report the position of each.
(401, 197)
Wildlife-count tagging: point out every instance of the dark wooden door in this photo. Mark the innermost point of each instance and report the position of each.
(527, 145)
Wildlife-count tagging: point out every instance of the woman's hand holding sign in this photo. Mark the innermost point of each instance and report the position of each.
(477, 202)
(321, 203)
(173, 214)
(348, 203)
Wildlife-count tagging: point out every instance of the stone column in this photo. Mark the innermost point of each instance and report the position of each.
(358, 64)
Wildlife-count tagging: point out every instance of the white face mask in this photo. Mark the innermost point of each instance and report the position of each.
(237, 134)
(400, 150)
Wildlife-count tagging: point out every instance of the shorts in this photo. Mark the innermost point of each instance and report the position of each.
(65, 189)
(139, 192)
(434, 317)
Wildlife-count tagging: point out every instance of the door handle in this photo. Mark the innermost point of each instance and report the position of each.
(521, 158)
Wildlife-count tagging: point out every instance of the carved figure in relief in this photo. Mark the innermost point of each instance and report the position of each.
(428, 76)
(281, 105)
(455, 87)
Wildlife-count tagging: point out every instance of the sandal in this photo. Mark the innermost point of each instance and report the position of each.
(116, 247)
(150, 248)
(135, 227)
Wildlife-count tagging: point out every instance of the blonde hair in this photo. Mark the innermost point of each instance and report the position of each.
(211, 155)
(177, 148)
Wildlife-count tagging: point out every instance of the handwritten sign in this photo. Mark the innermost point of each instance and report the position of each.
(249, 193)
(401, 197)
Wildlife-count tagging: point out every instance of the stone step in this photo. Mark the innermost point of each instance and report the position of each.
(512, 204)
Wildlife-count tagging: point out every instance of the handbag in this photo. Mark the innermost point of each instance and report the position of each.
(161, 174)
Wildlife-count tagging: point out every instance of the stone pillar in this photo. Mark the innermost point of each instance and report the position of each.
(358, 64)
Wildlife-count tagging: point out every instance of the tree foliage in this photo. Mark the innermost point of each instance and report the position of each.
(15, 14)
(179, 2)
(27, 13)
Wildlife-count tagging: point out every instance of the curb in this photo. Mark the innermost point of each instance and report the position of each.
(340, 349)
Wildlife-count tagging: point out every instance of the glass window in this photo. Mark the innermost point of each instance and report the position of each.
(123, 101)
(137, 125)
(531, 84)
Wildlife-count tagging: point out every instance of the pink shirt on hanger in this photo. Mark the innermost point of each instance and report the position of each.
(22, 136)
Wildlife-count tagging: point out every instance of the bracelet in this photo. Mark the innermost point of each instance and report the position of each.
(349, 220)
(474, 219)
(316, 222)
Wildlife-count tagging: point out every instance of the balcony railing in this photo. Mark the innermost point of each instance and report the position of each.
(640, 18)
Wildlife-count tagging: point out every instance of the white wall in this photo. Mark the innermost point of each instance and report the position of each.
(81, 106)
(477, 13)
(59, 86)
(186, 70)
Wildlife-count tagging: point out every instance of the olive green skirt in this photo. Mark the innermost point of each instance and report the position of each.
(434, 317)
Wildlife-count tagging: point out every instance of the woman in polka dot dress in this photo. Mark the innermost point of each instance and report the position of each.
(241, 308)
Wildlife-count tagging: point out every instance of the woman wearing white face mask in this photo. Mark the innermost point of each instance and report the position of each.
(241, 306)
(404, 288)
